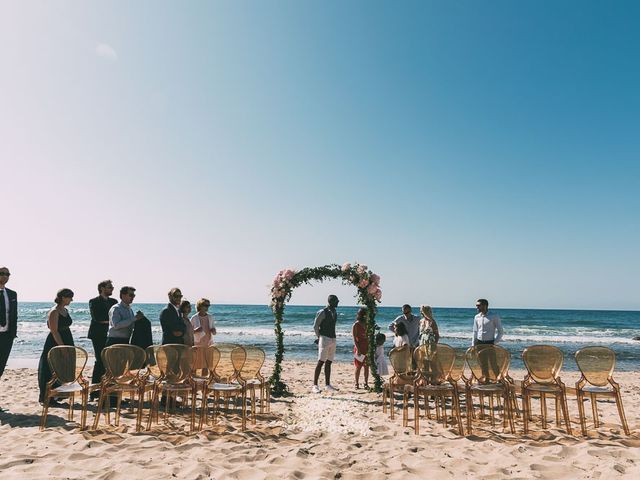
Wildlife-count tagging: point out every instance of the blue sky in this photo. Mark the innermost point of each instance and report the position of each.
(460, 149)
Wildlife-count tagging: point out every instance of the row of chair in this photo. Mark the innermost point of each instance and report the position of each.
(439, 373)
(220, 372)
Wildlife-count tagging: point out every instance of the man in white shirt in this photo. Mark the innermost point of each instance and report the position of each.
(487, 330)
(487, 327)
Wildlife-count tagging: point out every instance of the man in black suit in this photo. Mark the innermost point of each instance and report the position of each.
(99, 308)
(173, 326)
(8, 318)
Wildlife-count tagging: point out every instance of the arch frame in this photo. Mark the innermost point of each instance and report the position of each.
(368, 294)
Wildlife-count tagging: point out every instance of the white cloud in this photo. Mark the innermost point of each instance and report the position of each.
(105, 50)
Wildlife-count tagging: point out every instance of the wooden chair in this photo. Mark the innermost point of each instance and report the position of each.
(225, 381)
(403, 373)
(174, 362)
(489, 366)
(249, 373)
(124, 373)
(67, 365)
(543, 364)
(596, 365)
(434, 379)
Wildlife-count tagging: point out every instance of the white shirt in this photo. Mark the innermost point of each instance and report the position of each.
(6, 304)
(399, 341)
(486, 326)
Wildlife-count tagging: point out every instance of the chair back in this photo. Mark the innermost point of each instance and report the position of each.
(400, 359)
(596, 364)
(152, 364)
(457, 369)
(212, 357)
(238, 358)
(225, 370)
(67, 363)
(434, 364)
(122, 362)
(174, 362)
(253, 362)
(488, 363)
(543, 362)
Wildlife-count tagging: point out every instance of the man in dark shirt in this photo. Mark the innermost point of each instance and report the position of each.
(324, 327)
(99, 308)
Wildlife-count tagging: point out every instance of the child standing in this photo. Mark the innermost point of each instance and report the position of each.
(381, 361)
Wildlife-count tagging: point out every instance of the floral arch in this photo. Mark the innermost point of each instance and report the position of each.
(368, 294)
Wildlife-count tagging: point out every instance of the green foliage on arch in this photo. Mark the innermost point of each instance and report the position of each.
(368, 294)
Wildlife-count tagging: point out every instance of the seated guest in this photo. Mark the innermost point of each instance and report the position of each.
(204, 325)
(58, 321)
(185, 310)
(122, 318)
(173, 326)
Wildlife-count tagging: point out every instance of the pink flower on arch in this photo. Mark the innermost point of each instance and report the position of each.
(363, 283)
(362, 269)
(375, 279)
(378, 295)
(346, 266)
(288, 273)
(373, 288)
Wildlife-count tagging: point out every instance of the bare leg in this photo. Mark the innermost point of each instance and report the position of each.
(358, 368)
(316, 375)
(327, 372)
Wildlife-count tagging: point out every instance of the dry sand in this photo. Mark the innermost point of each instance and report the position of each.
(344, 435)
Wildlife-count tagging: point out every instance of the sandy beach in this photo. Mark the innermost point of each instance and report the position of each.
(344, 435)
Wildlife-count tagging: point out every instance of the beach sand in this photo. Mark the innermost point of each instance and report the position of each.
(344, 435)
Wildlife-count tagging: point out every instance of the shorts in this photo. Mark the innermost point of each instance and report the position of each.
(326, 349)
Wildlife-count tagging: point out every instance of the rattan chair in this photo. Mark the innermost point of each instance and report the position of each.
(596, 365)
(67, 365)
(250, 374)
(403, 373)
(225, 382)
(124, 373)
(543, 364)
(489, 366)
(174, 362)
(434, 379)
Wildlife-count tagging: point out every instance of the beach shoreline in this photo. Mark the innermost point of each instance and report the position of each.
(344, 435)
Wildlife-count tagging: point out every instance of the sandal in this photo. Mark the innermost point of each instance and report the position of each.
(356, 386)
(366, 386)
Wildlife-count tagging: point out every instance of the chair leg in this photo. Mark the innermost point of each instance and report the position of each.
(45, 410)
(416, 412)
(469, 401)
(83, 413)
(623, 417)
(491, 412)
(508, 412)
(118, 406)
(557, 402)
(384, 399)
(581, 412)
(391, 406)
(594, 410)
(96, 419)
(140, 409)
(543, 410)
(71, 398)
(525, 410)
(565, 411)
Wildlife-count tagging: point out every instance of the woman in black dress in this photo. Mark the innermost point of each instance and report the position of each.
(58, 321)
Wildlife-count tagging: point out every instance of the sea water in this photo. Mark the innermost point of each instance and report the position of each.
(568, 330)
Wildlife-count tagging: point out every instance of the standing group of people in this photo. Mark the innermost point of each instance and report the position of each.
(112, 323)
(115, 323)
(408, 329)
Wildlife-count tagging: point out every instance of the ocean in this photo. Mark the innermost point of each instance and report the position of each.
(569, 330)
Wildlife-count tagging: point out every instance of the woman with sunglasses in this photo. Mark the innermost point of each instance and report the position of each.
(58, 321)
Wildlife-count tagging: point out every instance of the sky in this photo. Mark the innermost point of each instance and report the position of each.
(459, 149)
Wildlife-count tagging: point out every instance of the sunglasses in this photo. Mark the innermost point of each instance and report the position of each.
(5, 274)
